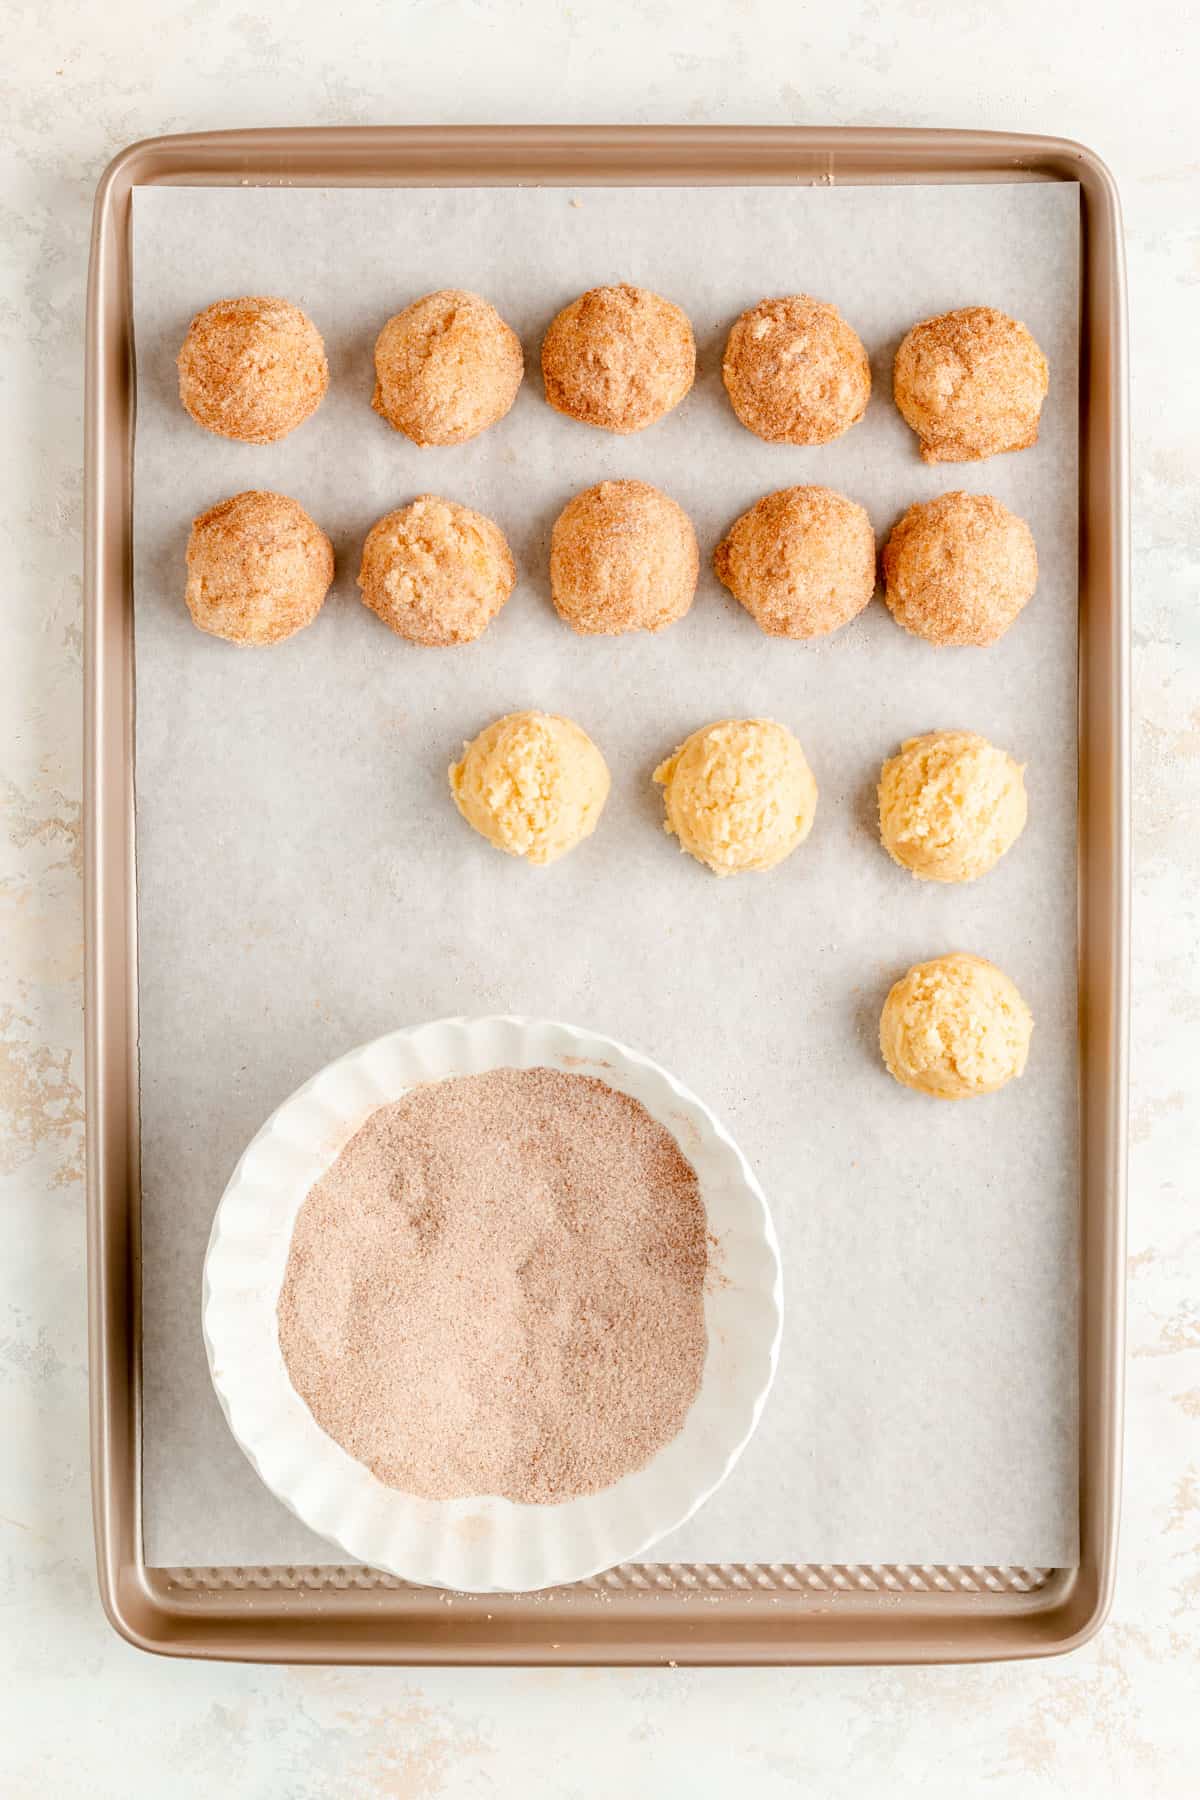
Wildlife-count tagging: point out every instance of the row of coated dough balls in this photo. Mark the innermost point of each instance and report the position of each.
(970, 383)
(623, 557)
(740, 796)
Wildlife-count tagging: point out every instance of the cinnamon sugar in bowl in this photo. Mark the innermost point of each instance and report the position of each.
(498, 1372)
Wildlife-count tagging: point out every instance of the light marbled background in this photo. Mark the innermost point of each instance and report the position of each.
(80, 1714)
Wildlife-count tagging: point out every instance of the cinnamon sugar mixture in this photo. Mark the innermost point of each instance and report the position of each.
(497, 1288)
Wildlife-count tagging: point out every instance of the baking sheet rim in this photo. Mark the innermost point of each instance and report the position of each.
(844, 1614)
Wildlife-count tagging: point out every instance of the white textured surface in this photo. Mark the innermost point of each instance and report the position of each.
(82, 1715)
(475, 1542)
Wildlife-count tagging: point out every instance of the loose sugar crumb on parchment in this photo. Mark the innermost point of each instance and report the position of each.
(715, 1277)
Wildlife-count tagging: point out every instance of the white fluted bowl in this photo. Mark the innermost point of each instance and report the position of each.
(481, 1544)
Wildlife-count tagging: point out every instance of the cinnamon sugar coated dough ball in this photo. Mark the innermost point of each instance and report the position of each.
(533, 784)
(801, 561)
(436, 572)
(958, 569)
(955, 1027)
(950, 805)
(446, 368)
(252, 369)
(971, 384)
(795, 372)
(623, 557)
(618, 358)
(258, 569)
(739, 795)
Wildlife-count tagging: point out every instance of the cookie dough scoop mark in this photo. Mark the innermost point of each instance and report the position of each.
(795, 371)
(971, 384)
(446, 368)
(252, 369)
(533, 784)
(954, 1028)
(950, 805)
(258, 569)
(739, 795)
(618, 358)
(435, 572)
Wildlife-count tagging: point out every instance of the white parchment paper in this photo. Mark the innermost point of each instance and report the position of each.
(304, 882)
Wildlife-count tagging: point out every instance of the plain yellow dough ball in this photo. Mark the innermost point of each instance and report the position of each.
(258, 569)
(436, 572)
(533, 784)
(955, 1027)
(950, 805)
(739, 795)
(446, 368)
